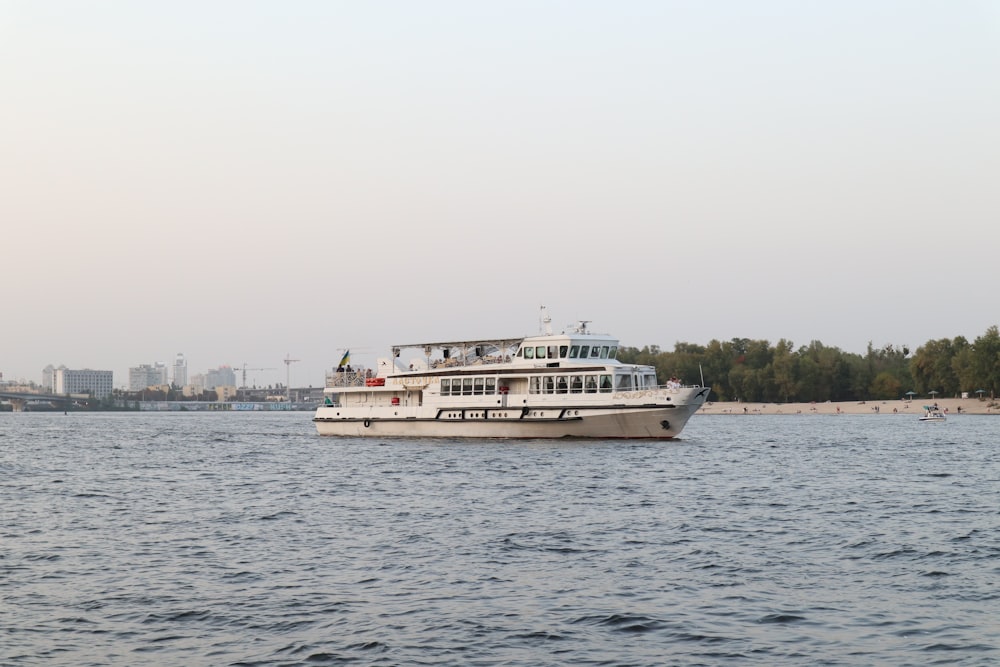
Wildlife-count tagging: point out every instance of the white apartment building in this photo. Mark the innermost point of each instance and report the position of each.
(86, 381)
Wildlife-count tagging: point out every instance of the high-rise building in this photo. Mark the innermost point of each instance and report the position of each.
(180, 371)
(97, 383)
(223, 376)
(197, 383)
(49, 377)
(140, 377)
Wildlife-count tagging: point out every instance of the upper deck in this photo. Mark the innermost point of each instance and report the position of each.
(579, 345)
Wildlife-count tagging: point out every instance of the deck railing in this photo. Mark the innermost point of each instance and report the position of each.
(345, 379)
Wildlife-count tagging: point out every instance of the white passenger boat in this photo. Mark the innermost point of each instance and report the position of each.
(932, 414)
(567, 385)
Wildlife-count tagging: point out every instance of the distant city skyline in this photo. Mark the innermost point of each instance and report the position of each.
(245, 182)
(257, 376)
(220, 374)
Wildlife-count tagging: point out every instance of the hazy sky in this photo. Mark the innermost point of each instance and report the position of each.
(239, 181)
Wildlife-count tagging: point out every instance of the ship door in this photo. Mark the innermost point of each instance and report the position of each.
(414, 397)
(503, 395)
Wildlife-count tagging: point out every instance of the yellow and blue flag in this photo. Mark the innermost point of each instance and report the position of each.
(346, 359)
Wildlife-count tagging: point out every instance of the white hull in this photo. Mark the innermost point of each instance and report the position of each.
(659, 422)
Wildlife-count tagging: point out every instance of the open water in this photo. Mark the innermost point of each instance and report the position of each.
(246, 539)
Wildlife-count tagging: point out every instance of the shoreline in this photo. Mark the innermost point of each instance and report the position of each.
(915, 407)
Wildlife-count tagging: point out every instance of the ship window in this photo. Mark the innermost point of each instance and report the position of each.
(624, 383)
(553, 352)
(477, 386)
(467, 387)
(549, 385)
(584, 351)
(540, 352)
(561, 386)
(605, 383)
(563, 349)
(614, 352)
(577, 384)
(446, 387)
(491, 385)
(604, 352)
(533, 385)
(574, 351)
(595, 352)
(591, 384)
(529, 353)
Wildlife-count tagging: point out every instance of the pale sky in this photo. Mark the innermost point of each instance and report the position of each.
(238, 181)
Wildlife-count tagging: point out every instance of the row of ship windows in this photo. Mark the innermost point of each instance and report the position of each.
(568, 352)
(572, 384)
(588, 384)
(558, 384)
(468, 386)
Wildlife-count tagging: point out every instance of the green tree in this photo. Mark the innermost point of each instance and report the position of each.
(685, 362)
(785, 371)
(823, 374)
(892, 360)
(932, 369)
(886, 386)
(718, 362)
(963, 365)
(986, 360)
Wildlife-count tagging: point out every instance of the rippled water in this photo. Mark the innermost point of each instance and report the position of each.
(245, 539)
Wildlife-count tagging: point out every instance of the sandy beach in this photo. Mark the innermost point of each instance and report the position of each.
(953, 406)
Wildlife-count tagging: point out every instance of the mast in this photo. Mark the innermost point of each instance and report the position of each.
(544, 322)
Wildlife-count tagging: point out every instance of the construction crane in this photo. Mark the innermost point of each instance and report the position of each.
(243, 385)
(288, 367)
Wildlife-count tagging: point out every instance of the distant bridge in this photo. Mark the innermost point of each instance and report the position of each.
(21, 399)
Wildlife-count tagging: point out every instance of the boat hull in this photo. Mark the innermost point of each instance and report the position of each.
(655, 422)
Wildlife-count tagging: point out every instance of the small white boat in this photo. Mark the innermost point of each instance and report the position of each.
(932, 414)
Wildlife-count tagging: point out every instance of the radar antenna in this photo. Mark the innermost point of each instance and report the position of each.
(581, 326)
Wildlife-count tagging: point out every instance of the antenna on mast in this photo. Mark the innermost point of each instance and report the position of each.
(544, 322)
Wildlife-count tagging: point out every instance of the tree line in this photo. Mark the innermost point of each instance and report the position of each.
(757, 371)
